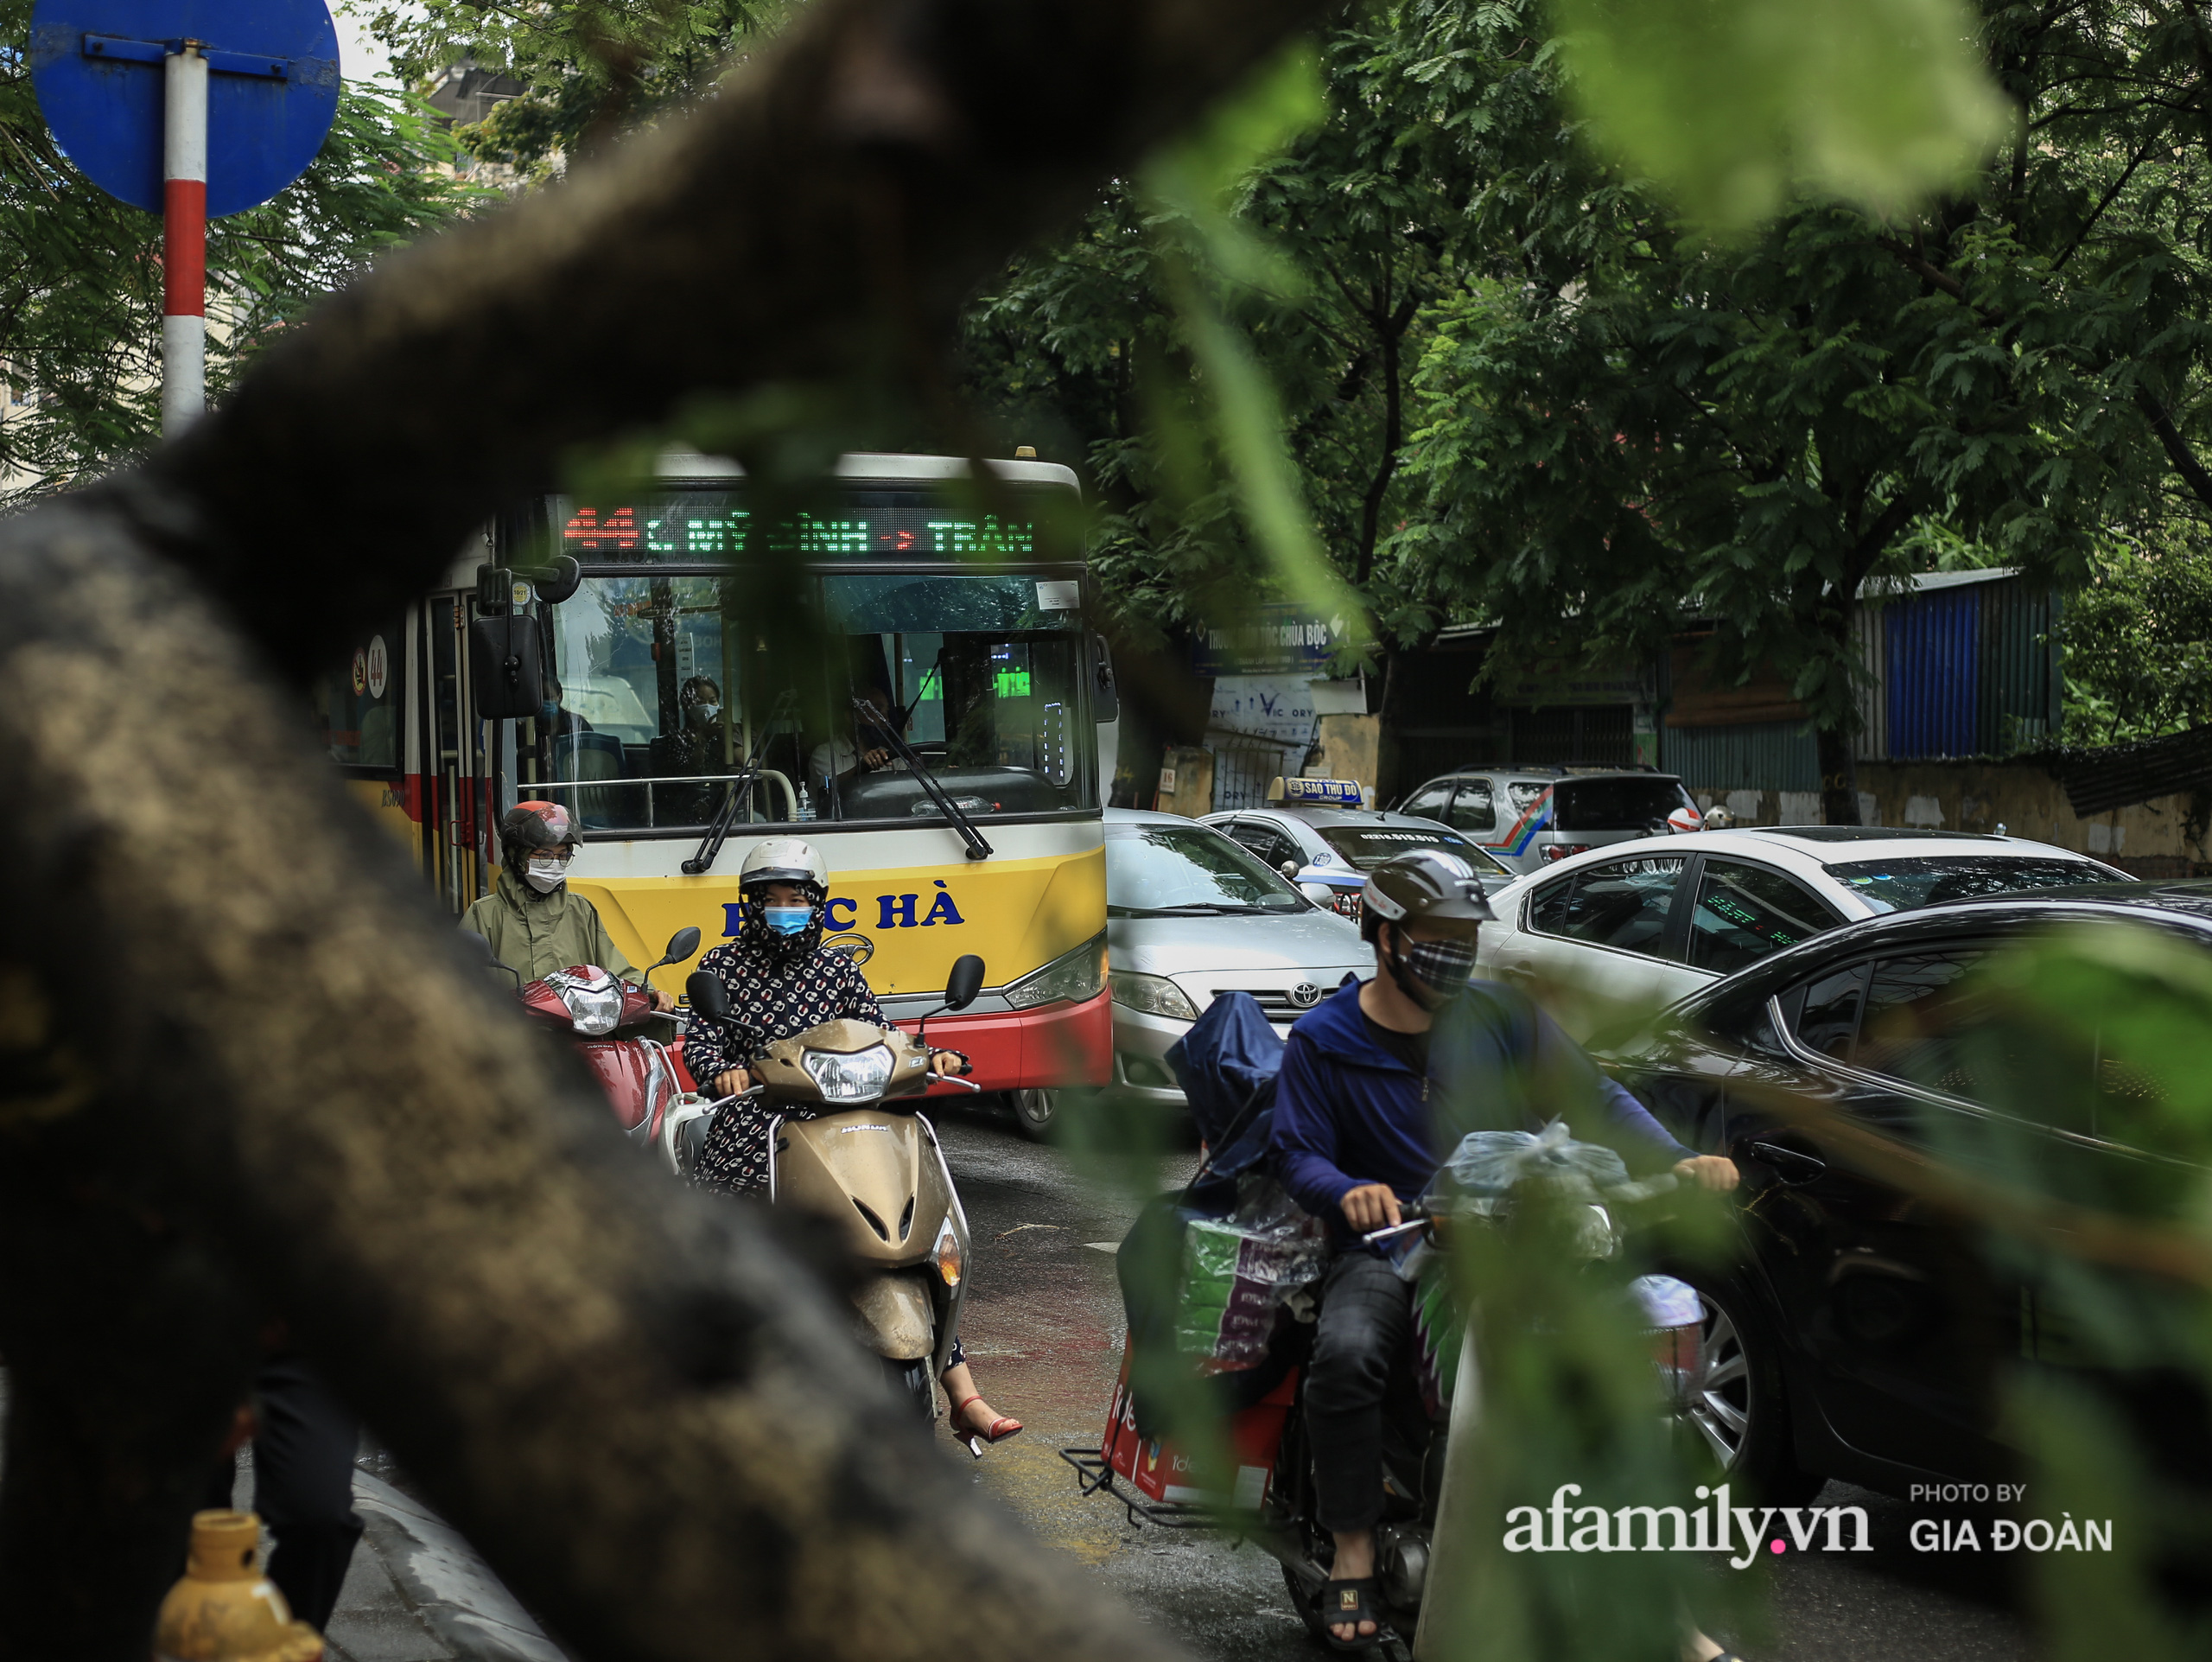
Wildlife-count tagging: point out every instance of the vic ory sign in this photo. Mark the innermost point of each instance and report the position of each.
(919, 910)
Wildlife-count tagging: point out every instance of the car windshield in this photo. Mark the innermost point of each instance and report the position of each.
(1930, 880)
(1365, 847)
(1629, 803)
(1154, 871)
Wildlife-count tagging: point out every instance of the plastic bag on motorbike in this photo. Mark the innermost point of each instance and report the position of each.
(1483, 1170)
(1238, 1271)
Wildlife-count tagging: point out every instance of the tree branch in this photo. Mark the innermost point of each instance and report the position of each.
(643, 1406)
(2193, 472)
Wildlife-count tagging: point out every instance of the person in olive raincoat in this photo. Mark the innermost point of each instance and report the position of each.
(534, 924)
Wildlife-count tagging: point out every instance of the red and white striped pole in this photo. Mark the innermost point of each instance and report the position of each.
(184, 240)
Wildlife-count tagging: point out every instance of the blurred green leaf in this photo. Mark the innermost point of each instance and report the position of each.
(1728, 103)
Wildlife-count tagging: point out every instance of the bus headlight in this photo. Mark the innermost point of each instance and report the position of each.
(1153, 995)
(849, 1076)
(946, 1254)
(1071, 978)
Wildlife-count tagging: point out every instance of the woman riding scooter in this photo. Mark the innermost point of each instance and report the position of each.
(781, 982)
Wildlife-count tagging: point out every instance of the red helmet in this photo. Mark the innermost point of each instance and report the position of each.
(531, 828)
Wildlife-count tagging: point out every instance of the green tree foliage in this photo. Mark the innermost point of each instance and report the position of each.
(81, 274)
(588, 71)
(1624, 416)
(2138, 643)
(1340, 244)
(1520, 383)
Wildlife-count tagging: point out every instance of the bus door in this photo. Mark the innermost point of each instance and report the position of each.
(457, 777)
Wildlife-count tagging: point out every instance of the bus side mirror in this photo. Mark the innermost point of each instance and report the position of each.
(504, 668)
(559, 581)
(1105, 697)
(964, 983)
(707, 995)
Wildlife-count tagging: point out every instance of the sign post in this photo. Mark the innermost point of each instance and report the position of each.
(184, 238)
(192, 110)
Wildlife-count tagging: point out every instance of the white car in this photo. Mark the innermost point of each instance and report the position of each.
(1613, 933)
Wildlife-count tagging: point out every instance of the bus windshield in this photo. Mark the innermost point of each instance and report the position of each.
(669, 683)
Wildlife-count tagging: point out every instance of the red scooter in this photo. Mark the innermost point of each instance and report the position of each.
(612, 1020)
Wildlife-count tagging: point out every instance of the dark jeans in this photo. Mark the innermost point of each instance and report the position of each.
(1359, 1350)
(303, 1486)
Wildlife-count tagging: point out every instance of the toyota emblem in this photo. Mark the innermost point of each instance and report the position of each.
(1305, 995)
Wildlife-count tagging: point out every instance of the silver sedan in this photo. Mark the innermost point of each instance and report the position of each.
(1190, 915)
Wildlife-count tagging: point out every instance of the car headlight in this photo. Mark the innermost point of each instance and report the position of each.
(946, 1254)
(1071, 977)
(594, 1007)
(1153, 995)
(849, 1076)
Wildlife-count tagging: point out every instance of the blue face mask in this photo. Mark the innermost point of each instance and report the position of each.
(786, 920)
(549, 711)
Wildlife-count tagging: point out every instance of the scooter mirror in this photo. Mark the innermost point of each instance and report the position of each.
(964, 983)
(681, 944)
(707, 995)
(471, 938)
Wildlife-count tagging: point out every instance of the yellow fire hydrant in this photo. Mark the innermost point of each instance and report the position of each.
(223, 1609)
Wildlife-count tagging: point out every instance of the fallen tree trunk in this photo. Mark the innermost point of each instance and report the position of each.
(243, 1050)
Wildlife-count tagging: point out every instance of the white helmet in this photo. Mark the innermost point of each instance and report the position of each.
(783, 860)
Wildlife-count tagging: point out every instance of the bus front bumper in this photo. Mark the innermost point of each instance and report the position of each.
(1058, 1045)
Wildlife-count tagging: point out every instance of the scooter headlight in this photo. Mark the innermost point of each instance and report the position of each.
(853, 1076)
(946, 1253)
(594, 1007)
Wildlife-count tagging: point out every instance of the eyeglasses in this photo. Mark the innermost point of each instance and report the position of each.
(563, 855)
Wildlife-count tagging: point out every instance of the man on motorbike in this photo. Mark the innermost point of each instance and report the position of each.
(1379, 1083)
(782, 981)
(534, 924)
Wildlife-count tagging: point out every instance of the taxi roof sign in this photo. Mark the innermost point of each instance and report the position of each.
(1335, 793)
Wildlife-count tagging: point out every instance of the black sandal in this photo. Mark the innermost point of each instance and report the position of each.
(1351, 1602)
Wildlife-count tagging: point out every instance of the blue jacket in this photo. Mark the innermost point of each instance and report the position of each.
(1348, 1112)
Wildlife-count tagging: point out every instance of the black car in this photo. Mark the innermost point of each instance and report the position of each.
(1862, 1333)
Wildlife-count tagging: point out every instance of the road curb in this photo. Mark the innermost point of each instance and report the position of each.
(452, 1589)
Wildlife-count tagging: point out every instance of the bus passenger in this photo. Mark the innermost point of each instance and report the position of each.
(781, 982)
(534, 924)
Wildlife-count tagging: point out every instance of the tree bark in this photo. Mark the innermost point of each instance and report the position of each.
(643, 1406)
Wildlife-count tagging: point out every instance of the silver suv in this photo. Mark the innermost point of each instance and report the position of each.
(1525, 817)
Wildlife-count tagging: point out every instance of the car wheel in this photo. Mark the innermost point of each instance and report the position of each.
(1033, 1111)
(1737, 1406)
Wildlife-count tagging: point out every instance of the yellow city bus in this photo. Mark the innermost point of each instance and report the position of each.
(913, 691)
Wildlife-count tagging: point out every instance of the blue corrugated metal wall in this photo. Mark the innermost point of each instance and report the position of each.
(1748, 756)
(1934, 673)
(1964, 671)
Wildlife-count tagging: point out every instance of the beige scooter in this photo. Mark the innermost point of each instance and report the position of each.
(857, 1152)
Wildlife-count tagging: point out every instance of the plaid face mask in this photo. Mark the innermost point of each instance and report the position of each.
(1442, 967)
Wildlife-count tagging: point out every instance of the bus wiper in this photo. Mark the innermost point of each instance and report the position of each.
(740, 789)
(710, 845)
(978, 848)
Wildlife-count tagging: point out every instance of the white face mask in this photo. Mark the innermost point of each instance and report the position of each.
(546, 875)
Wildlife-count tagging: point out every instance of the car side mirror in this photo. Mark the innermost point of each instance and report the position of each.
(682, 944)
(964, 983)
(1319, 893)
(707, 996)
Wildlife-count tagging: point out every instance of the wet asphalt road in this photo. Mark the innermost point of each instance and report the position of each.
(1044, 1329)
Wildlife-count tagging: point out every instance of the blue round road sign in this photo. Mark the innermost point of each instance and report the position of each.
(272, 90)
